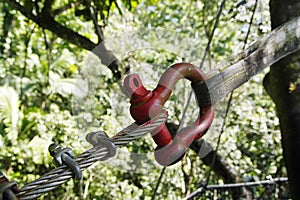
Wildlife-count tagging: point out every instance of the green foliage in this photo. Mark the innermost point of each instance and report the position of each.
(257, 135)
(9, 113)
(52, 91)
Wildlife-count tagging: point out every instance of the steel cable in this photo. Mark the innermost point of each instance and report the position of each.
(201, 190)
(61, 174)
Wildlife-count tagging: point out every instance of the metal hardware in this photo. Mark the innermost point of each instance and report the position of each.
(147, 104)
(60, 175)
(100, 138)
(7, 188)
(65, 156)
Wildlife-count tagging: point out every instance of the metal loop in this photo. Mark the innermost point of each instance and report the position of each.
(100, 138)
(65, 156)
(147, 104)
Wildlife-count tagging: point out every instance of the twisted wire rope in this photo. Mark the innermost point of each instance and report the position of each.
(60, 175)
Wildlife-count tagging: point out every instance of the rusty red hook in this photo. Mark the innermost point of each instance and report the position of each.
(146, 104)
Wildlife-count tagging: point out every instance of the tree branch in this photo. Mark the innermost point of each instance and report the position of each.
(22, 9)
(46, 21)
(47, 6)
(64, 8)
(93, 15)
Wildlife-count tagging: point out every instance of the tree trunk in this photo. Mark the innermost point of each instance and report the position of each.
(283, 85)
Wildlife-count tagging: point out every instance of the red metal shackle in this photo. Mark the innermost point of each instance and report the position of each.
(146, 104)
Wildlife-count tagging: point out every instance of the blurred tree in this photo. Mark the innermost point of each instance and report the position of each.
(283, 85)
(40, 67)
(47, 15)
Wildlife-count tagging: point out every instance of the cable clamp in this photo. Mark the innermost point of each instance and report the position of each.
(65, 156)
(101, 139)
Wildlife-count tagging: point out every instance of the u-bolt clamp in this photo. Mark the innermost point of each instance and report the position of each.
(65, 156)
(146, 104)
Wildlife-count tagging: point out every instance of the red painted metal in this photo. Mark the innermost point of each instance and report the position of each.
(146, 104)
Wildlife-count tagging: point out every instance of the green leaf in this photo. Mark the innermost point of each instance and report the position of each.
(9, 111)
(39, 149)
(68, 86)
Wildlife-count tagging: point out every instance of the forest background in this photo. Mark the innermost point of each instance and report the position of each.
(45, 53)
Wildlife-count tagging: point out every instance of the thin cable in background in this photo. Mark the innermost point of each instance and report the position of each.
(227, 107)
(190, 94)
(207, 49)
